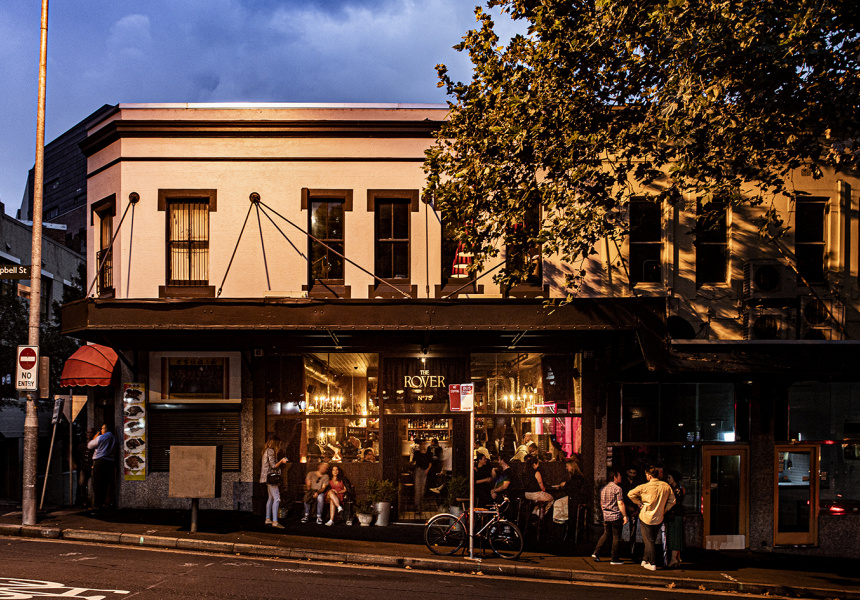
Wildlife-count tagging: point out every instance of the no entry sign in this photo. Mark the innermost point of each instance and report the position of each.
(27, 376)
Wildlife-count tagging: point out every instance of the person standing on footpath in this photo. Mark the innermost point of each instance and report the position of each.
(104, 465)
(270, 464)
(83, 458)
(629, 481)
(654, 498)
(614, 517)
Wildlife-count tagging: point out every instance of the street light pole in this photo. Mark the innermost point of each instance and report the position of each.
(31, 421)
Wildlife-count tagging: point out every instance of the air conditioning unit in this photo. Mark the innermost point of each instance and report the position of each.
(764, 279)
(766, 323)
(820, 318)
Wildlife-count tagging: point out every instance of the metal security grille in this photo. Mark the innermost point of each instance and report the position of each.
(105, 259)
(188, 242)
(192, 428)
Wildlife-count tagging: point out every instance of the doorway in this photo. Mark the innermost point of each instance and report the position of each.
(795, 507)
(432, 436)
(725, 496)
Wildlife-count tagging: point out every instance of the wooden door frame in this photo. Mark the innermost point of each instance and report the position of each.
(798, 538)
(743, 451)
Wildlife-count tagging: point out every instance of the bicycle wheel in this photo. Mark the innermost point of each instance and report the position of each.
(444, 534)
(505, 539)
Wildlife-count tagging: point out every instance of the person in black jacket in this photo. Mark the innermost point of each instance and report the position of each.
(83, 459)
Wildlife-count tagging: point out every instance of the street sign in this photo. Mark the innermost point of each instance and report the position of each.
(27, 372)
(15, 271)
(44, 377)
(58, 409)
(467, 396)
(454, 396)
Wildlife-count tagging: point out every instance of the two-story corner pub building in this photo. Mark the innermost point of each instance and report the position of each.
(272, 268)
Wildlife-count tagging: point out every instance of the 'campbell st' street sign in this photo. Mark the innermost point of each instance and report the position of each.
(15, 271)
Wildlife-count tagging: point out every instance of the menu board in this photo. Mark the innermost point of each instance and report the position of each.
(134, 431)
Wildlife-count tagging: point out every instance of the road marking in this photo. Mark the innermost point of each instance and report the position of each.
(311, 571)
(13, 588)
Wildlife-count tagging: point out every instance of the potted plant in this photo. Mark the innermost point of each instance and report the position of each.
(364, 511)
(381, 494)
(458, 487)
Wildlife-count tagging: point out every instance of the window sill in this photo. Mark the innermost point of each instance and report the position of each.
(321, 289)
(186, 291)
(383, 291)
(525, 290)
(456, 288)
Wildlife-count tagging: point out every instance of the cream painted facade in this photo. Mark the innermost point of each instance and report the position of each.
(735, 354)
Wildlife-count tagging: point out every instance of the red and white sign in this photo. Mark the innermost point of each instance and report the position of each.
(467, 396)
(27, 372)
(454, 396)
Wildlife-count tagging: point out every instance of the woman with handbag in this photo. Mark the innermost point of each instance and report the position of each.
(270, 474)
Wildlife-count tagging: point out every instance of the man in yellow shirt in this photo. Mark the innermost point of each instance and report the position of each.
(654, 497)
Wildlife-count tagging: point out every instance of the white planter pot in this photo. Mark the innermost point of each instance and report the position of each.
(364, 519)
(383, 513)
(455, 510)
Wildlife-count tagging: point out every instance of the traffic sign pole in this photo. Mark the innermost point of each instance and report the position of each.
(31, 421)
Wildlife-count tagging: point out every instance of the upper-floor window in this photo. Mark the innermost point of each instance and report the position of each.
(810, 237)
(527, 257)
(103, 213)
(326, 225)
(187, 235)
(646, 241)
(456, 258)
(712, 243)
(392, 238)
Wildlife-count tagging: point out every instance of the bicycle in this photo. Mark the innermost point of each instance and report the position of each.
(445, 533)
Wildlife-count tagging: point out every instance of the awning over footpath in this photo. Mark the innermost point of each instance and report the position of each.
(90, 365)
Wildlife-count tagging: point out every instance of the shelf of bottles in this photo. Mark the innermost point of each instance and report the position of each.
(428, 428)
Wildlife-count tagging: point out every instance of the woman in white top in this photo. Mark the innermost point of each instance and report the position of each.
(270, 463)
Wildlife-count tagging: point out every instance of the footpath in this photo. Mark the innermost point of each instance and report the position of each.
(401, 546)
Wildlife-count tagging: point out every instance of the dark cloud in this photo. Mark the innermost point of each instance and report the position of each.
(104, 51)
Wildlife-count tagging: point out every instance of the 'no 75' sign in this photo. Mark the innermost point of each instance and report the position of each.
(27, 372)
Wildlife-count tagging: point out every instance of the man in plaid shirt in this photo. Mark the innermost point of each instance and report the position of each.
(614, 516)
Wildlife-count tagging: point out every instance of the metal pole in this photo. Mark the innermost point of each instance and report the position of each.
(48, 468)
(195, 507)
(31, 421)
(472, 483)
(72, 472)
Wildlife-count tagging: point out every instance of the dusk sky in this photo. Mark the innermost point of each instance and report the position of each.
(113, 51)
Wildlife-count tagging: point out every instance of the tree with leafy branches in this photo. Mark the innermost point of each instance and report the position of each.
(14, 327)
(601, 101)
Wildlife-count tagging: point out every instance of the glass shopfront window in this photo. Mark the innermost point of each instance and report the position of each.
(323, 406)
(688, 412)
(829, 413)
(527, 397)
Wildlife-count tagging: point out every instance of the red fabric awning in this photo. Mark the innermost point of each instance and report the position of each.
(89, 365)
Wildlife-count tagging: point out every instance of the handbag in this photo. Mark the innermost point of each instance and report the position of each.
(274, 477)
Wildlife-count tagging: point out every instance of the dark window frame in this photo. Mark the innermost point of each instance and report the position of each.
(645, 245)
(169, 198)
(532, 285)
(104, 210)
(331, 287)
(810, 249)
(404, 198)
(710, 244)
